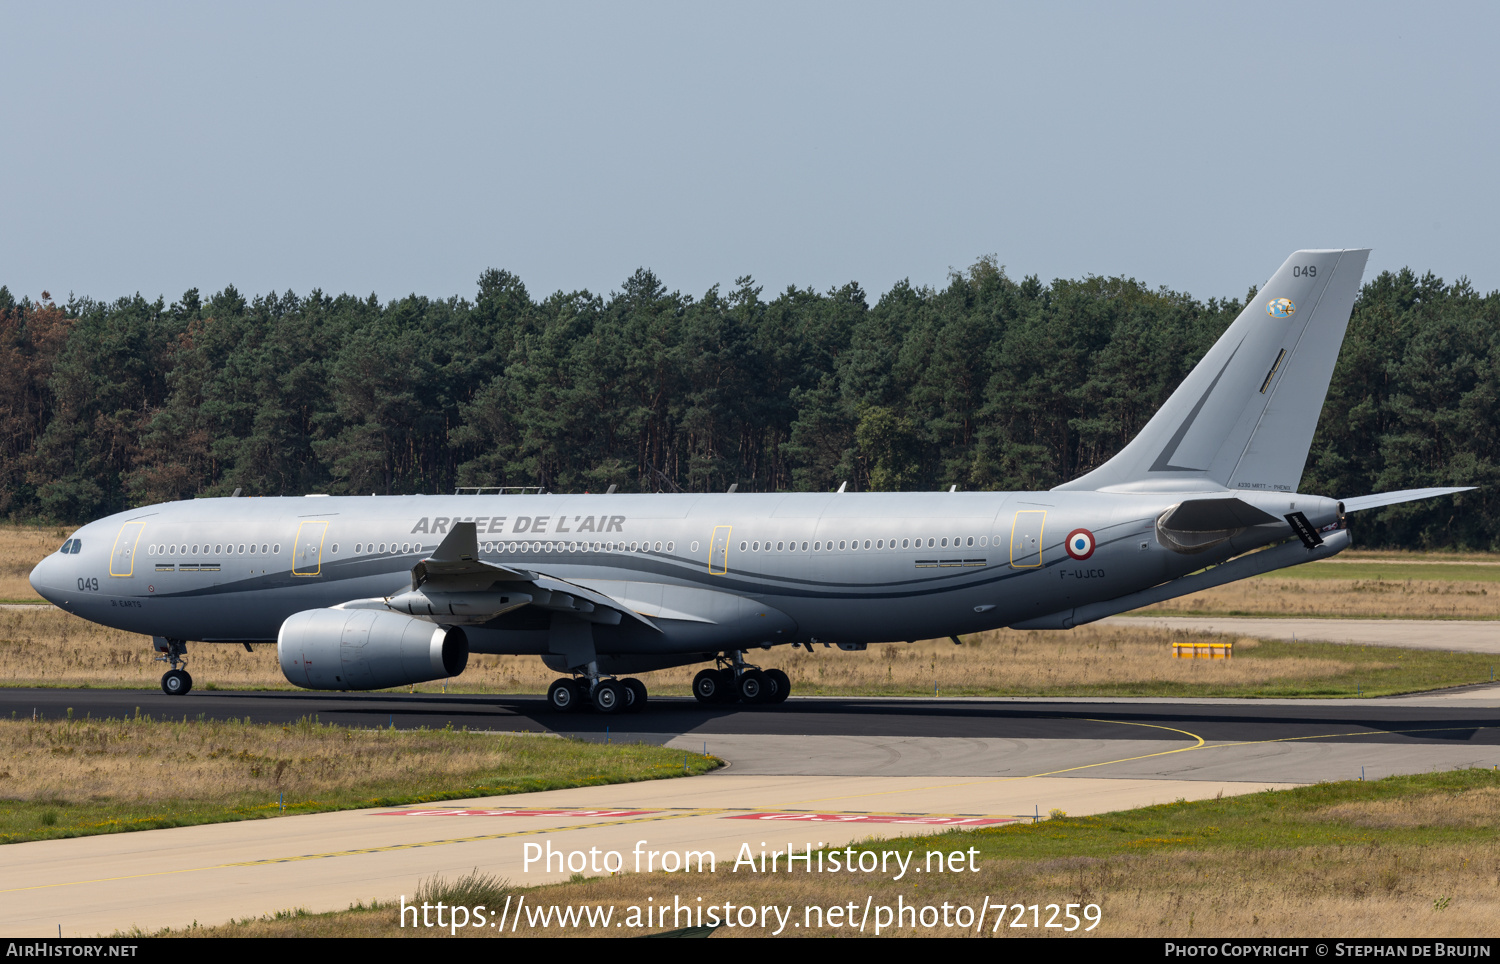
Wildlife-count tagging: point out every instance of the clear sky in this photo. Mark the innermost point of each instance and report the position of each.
(394, 148)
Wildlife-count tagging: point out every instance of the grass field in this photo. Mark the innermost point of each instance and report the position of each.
(1409, 856)
(69, 778)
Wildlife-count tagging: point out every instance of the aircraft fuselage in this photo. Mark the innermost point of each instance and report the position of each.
(711, 571)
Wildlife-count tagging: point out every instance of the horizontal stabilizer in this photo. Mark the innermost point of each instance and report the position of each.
(1213, 515)
(1392, 498)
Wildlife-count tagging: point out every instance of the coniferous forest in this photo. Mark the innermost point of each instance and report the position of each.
(987, 383)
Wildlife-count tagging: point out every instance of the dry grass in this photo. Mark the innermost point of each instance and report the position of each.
(94, 776)
(44, 646)
(21, 548)
(1332, 598)
(1470, 808)
(221, 762)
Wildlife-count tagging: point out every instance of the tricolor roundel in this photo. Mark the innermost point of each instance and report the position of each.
(1080, 544)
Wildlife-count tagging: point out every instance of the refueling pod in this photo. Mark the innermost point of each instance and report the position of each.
(366, 649)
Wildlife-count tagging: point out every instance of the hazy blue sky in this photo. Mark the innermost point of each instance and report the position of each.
(397, 148)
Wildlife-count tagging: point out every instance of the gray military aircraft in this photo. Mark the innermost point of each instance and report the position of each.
(367, 593)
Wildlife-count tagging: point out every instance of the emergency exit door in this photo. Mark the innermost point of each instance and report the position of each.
(1026, 538)
(718, 551)
(307, 550)
(122, 557)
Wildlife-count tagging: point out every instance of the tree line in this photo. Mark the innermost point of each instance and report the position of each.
(984, 383)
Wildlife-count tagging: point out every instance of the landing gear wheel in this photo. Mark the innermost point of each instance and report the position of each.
(563, 696)
(752, 687)
(609, 697)
(176, 682)
(636, 693)
(780, 685)
(709, 686)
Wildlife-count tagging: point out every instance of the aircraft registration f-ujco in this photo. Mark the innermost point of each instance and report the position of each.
(364, 593)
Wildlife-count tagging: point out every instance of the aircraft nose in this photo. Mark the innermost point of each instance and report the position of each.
(47, 578)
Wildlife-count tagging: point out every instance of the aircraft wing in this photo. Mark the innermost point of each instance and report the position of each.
(1361, 502)
(455, 586)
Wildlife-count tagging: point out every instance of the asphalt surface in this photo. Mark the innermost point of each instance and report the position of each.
(666, 719)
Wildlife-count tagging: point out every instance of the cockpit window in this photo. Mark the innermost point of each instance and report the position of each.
(67, 547)
(77, 545)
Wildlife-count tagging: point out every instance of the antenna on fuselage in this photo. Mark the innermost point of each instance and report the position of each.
(841, 485)
(733, 486)
(236, 493)
(610, 490)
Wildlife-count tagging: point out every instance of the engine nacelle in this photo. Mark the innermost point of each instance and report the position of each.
(366, 649)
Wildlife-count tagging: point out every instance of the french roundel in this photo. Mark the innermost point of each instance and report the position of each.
(1080, 544)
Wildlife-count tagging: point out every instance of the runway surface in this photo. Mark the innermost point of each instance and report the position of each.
(812, 771)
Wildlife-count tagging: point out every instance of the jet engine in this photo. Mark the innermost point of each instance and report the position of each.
(366, 649)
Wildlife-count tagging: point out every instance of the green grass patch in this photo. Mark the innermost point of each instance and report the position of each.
(1389, 572)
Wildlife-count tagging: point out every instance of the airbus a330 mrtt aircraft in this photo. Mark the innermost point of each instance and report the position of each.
(366, 593)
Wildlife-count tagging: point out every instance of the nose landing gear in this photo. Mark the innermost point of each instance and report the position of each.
(175, 681)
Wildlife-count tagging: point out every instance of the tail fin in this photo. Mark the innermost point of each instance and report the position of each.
(1244, 417)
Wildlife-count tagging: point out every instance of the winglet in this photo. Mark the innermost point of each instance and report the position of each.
(461, 544)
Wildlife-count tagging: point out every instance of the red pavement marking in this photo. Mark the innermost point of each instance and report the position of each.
(513, 813)
(874, 818)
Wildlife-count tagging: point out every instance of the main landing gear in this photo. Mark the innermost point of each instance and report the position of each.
(175, 681)
(606, 695)
(735, 681)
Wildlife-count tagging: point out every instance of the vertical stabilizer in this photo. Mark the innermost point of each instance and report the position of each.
(1244, 417)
